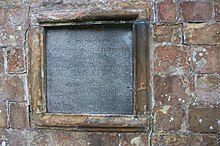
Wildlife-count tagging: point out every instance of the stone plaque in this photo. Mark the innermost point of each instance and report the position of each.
(89, 70)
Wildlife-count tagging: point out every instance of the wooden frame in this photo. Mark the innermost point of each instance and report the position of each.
(139, 121)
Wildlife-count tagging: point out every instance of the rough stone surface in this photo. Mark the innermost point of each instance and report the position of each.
(172, 60)
(1, 61)
(204, 120)
(207, 89)
(193, 11)
(17, 137)
(169, 118)
(103, 139)
(184, 62)
(15, 59)
(17, 16)
(2, 16)
(168, 33)
(205, 59)
(18, 115)
(133, 139)
(12, 88)
(39, 137)
(203, 33)
(172, 90)
(69, 138)
(217, 9)
(167, 10)
(3, 115)
(12, 36)
(184, 140)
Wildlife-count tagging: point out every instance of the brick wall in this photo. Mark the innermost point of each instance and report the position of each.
(185, 69)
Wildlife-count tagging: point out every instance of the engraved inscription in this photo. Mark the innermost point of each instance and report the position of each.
(89, 70)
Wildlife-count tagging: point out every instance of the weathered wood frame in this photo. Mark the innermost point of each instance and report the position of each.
(139, 121)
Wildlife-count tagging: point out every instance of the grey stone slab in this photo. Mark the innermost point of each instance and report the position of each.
(89, 70)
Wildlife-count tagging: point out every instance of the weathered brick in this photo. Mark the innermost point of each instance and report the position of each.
(168, 33)
(207, 89)
(1, 61)
(194, 11)
(15, 59)
(40, 138)
(217, 10)
(172, 90)
(169, 118)
(205, 59)
(167, 10)
(12, 36)
(204, 119)
(107, 139)
(17, 137)
(17, 16)
(18, 115)
(3, 137)
(2, 16)
(11, 88)
(184, 140)
(68, 138)
(172, 60)
(133, 139)
(3, 115)
(202, 33)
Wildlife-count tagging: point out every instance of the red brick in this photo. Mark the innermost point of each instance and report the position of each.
(3, 115)
(172, 90)
(2, 17)
(133, 139)
(217, 10)
(203, 33)
(69, 138)
(207, 89)
(17, 137)
(169, 118)
(40, 138)
(1, 61)
(204, 120)
(18, 115)
(194, 11)
(167, 10)
(107, 139)
(12, 36)
(184, 140)
(172, 60)
(17, 16)
(205, 59)
(168, 33)
(15, 58)
(11, 88)
(3, 137)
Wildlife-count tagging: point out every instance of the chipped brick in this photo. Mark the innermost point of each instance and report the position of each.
(1, 61)
(194, 11)
(172, 60)
(169, 118)
(172, 90)
(207, 89)
(107, 139)
(18, 115)
(204, 120)
(205, 59)
(203, 33)
(15, 58)
(11, 88)
(168, 33)
(3, 115)
(166, 10)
